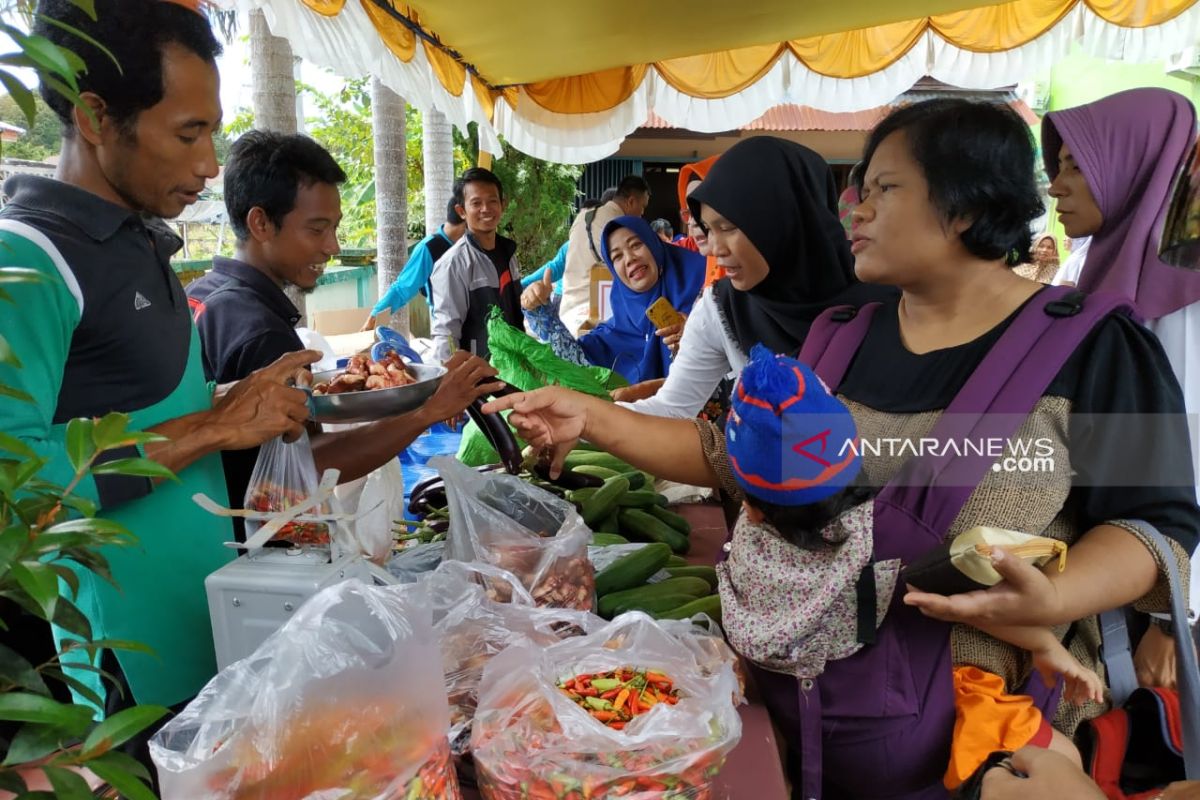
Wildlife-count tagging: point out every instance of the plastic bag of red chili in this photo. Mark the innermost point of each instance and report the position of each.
(344, 701)
(284, 476)
(629, 711)
(503, 521)
(473, 629)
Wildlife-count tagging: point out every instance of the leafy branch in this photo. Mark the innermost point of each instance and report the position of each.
(44, 529)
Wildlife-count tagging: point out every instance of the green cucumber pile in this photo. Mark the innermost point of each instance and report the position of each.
(626, 509)
(621, 507)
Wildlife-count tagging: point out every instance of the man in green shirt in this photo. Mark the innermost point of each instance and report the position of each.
(109, 329)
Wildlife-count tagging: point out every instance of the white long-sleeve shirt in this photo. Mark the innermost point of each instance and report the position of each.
(706, 355)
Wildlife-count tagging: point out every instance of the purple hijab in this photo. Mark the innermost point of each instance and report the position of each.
(1129, 146)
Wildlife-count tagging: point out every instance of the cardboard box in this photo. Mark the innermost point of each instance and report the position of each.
(342, 320)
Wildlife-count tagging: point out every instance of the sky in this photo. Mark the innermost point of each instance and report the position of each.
(234, 66)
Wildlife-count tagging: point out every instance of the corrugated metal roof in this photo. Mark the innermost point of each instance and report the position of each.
(792, 117)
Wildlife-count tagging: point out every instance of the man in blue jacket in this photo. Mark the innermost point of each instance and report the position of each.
(415, 275)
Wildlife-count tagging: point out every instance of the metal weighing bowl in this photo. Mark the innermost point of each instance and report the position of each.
(373, 404)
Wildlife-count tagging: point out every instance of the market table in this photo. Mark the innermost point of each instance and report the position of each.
(754, 769)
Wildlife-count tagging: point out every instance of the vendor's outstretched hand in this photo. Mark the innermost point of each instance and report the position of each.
(1026, 596)
(467, 377)
(551, 419)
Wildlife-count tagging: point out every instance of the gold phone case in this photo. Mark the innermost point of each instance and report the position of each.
(663, 314)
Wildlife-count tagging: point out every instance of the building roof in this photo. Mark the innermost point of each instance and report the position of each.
(793, 117)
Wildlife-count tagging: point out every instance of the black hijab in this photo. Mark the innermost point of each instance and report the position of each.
(783, 197)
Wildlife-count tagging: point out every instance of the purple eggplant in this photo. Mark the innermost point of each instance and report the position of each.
(567, 479)
(498, 434)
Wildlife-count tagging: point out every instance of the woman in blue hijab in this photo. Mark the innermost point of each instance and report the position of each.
(644, 269)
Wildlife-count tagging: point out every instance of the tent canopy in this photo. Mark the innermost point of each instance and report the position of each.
(567, 81)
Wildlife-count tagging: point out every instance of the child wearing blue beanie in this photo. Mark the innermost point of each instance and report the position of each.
(793, 448)
(800, 561)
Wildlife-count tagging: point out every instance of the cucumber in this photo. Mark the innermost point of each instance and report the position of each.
(637, 524)
(710, 605)
(604, 501)
(708, 574)
(642, 499)
(633, 569)
(610, 524)
(638, 479)
(577, 458)
(580, 496)
(616, 602)
(677, 561)
(603, 473)
(654, 606)
(671, 518)
(603, 539)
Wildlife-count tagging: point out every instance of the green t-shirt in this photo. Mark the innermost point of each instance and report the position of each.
(109, 330)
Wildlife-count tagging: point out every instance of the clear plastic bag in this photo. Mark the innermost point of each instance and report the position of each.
(504, 521)
(375, 501)
(473, 629)
(531, 739)
(345, 701)
(284, 476)
(412, 563)
(380, 504)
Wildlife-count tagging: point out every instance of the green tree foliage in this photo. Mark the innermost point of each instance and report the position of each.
(343, 125)
(541, 197)
(541, 194)
(41, 140)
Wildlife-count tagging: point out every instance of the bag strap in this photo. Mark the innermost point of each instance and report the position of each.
(588, 219)
(1187, 666)
(834, 338)
(997, 399)
(1117, 654)
(992, 404)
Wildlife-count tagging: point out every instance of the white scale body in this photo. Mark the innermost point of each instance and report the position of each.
(251, 597)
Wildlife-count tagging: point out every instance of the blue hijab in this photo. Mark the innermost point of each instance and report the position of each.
(626, 341)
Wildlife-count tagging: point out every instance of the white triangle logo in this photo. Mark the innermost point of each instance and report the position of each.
(140, 301)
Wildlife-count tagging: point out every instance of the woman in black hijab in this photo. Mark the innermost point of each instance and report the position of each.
(772, 205)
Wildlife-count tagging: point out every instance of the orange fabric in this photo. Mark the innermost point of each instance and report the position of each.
(713, 271)
(690, 172)
(711, 71)
(1138, 14)
(587, 94)
(987, 720)
(396, 36)
(853, 54)
(993, 29)
(719, 74)
(450, 72)
(326, 8)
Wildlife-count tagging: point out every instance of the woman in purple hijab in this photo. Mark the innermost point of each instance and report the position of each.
(1112, 164)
